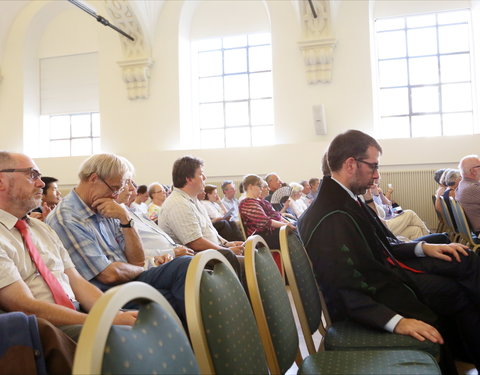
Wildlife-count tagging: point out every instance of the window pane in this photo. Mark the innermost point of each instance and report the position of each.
(423, 70)
(389, 24)
(236, 87)
(59, 127)
(261, 112)
(211, 89)
(96, 146)
(235, 60)
(455, 68)
(395, 127)
(211, 115)
(235, 41)
(263, 38)
(457, 97)
(393, 102)
(60, 148)
(81, 146)
(457, 124)
(260, 58)
(81, 125)
(453, 17)
(210, 63)
(263, 136)
(236, 114)
(261, 85)
(391, 44)
(426, 126)
(453, 38)
(209, 44)
(393, 73)
(96, 124)
(425, 99)
(422, 20)
(422, 42)
(238, 137)
(212, 138)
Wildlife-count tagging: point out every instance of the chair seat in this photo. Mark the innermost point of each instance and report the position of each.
(351, 336)
(375, 362)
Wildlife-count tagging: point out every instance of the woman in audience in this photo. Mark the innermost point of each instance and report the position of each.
(258, 215)
(157, 194)
(451, 179)
(439, 179)
(219, 215)
(297, 204)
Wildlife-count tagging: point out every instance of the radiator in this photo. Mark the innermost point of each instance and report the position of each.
(413, 190)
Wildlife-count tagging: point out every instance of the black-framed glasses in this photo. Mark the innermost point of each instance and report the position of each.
(117, 190)
(373, 166)
(32, 173)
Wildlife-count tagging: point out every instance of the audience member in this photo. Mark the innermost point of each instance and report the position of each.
(219, 215)
(437, 176)
(452, 179)
(314, 184)
(38, 276)
(100, 235)
(468, 190)
(297, 205)
(157, 194)
(368, 275)
(229, 200)
(185, 219)
(155, 241)
(50, 198)
(258, 215)
(274, 183)
(306, 190)
(139, 205)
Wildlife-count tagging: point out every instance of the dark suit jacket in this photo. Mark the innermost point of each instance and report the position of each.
(348, 248)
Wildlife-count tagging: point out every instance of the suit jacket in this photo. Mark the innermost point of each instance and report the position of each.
(348, 248)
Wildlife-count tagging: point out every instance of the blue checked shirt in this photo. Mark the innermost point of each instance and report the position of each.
(93, 241)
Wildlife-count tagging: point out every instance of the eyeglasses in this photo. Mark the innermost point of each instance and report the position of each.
(32, 173)
(117, 190)
(373, 166)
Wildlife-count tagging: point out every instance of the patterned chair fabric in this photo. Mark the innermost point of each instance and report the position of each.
(155, 345)
(343, 335)
(231, 332)
(463, 225)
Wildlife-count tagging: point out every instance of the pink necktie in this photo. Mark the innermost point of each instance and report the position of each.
(58, 293)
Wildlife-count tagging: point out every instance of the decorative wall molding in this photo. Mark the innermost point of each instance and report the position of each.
(136, 75)
(138, 61)
(317, 44)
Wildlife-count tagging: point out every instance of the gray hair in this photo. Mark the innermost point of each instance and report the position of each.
(296, 187)
(450, 176)
(106, 166)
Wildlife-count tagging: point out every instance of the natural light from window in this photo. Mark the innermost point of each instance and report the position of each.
(424, 75)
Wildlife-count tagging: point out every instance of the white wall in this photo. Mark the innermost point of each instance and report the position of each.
(148, 131)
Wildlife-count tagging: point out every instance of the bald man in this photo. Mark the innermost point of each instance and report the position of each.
(468, 191)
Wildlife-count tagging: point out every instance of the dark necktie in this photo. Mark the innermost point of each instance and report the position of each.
(56, 289)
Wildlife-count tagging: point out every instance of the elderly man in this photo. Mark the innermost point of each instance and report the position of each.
(156, 243)
(274, 183)
(229, 200)
(468, 190)
(369, 276)
(306, 190)
(101, 237)
(185, 219)
(38, 276)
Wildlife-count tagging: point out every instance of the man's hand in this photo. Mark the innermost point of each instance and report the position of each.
(233, 243)
(441, 251)
(291, 226)
(182, 250)
(125, 318)
(418, 330)
(237, 250)
(162, 259)
(109, 208)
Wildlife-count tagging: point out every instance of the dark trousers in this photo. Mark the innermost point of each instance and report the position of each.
(228, 230)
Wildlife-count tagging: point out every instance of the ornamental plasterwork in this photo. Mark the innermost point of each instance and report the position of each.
(318, 44)
(137, 63)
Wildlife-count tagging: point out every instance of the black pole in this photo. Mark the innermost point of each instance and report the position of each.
(310, 2)
(100, 19)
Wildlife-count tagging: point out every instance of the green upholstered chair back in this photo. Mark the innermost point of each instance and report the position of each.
(271, 306)
(223, 329)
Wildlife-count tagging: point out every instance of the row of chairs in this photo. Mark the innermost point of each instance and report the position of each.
(461, 232)
(233, 334)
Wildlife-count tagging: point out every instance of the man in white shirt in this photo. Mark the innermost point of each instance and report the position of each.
(229, 200)
(139, 205)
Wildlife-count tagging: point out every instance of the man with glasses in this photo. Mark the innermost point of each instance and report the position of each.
(37, 275)
(369, 276)
(101, 237)
(468, 190)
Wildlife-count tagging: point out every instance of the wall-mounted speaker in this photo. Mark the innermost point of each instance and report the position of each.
(319, 121)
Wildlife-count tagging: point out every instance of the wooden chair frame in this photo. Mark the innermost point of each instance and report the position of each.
(461, 218)
(454, 235)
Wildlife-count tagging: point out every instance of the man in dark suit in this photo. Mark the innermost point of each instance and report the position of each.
(369, 276)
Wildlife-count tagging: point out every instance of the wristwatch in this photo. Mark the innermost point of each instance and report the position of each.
(130, 224)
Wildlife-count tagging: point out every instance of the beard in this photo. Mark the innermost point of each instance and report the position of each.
(24, 200)
(358, 187)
